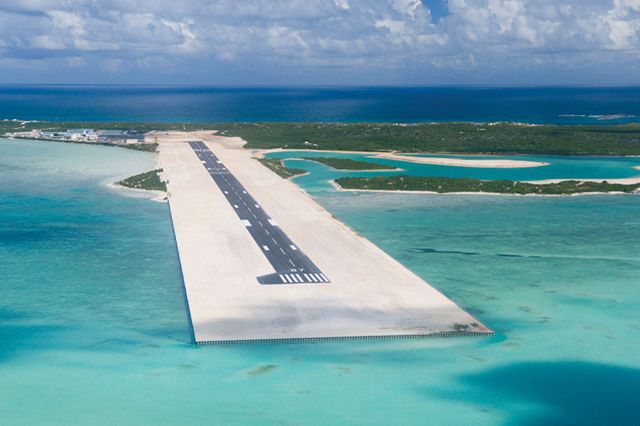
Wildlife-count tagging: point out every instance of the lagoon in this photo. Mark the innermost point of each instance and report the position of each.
(558, 167)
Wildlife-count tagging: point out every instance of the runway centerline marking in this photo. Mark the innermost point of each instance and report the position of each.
(289, 260)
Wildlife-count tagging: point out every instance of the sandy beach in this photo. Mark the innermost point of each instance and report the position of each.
(158, 196)
(493, 163)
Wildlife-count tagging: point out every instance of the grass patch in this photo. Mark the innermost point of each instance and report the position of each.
(276, 165)
(149, 181)
(444, 185)
(146, 147)
(348, 164)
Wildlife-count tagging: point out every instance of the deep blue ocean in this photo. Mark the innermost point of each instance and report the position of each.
(341, 104)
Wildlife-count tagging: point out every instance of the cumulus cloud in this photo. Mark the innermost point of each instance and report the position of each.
(376, 37)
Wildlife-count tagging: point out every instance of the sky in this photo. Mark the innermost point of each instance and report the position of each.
(320, 42)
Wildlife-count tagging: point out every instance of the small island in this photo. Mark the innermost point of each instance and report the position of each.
(148, 181)
(348, 164)
(443, 185)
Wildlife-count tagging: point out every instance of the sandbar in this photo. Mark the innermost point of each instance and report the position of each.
(492, 163)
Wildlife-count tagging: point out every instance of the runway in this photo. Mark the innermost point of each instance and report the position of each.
(251, 243)
(291, 265)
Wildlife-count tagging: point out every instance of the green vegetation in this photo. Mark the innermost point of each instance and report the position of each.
(348, 164)
(149, 180)
(275, 164)
(146, 147)
(456, 138)
(448, 185)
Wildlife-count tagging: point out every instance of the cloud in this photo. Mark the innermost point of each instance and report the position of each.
(392, 38)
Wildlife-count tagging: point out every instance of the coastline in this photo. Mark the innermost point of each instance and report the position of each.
(131, 146)
(622, 181)
(152, 195)
(156, 196)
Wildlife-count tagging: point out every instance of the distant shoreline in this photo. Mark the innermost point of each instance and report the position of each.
(454, 138)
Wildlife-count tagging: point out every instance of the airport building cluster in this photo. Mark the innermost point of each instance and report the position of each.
(85, 135)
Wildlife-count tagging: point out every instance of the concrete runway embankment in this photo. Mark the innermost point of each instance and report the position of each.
(369, 295)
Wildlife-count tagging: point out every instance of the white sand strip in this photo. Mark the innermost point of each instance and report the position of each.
(493, 163)
(460, 161)
(370, 294)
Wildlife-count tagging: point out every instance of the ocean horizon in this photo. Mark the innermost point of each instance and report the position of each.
(210, 104)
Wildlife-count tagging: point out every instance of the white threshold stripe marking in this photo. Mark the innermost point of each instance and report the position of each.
(293, 247)
(308, 278)
(314, 279)
(282, 278)
(257, 206)
(235, 206)
(318, 277)
(300, 278)
(293, 277)
(265, 248)
(287, 279)
(246, 222)
(324, 277)
(273, 222)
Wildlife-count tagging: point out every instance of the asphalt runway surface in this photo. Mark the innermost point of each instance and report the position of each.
(291, 265)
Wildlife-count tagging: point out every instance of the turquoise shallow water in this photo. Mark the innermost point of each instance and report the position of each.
(556, 168)
(93, 327)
